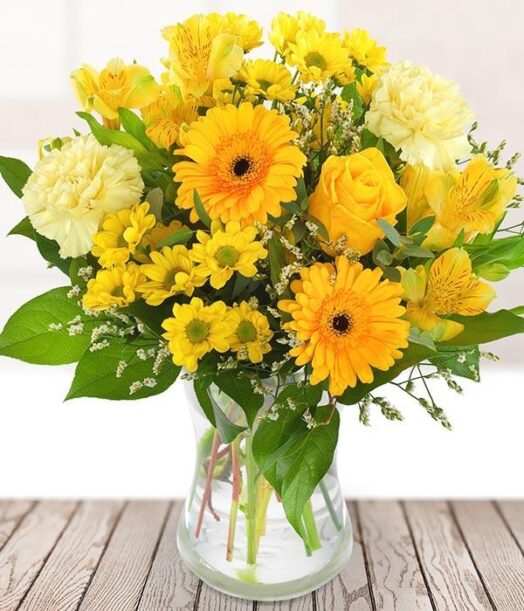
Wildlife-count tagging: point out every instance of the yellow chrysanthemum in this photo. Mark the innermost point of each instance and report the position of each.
(228, 250)
(284, 29)
(364, 51)
(268, 79)
(318, 56)
(117, 86)
(366, 86)
(242, 164)
(113, 287)
(167, 115)
(171, 272)
(251, 333)
(72, 188)
(121, 234)
(448, 288)
(473, 200)
(248, 31)
(195, 330)
(200, 52)
(160, 232)
(347, 321)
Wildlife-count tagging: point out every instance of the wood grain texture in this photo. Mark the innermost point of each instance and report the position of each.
(350, 589)
(124, 567)
(444, 557)
(302, 603)
(62, 581)
(25, 553)
(170, 584)
(513, 513)
(211, 600)
(395, 574)
(496, 554)
(11, 514)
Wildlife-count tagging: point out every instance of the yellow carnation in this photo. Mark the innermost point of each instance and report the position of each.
(422, 115)
(72, 189)
(353, 192)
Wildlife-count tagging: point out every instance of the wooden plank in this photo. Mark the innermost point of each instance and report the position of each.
(444, 557)
(212, 600)
(494, 551)
(11, 514)
(396, 578)
(513, 512)
(302, 603)
(170, 585)
(64, 577)
(24, 554)
(350, 590)
(123, 570)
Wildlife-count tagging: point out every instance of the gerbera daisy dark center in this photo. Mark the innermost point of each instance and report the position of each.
(241, 166)
(341, 323)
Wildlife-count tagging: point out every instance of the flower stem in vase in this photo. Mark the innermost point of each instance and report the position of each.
(329, 504)
(311, 527)
(235, 495)
(209, 482)
(264, 496)
(251, 531)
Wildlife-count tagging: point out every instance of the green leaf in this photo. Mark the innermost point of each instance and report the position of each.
(180, 236)
(460, 360)
(97, 372)
(350, 94)
(276, 259)
(136, 127)
(49, 249)
(422, 226)
(201, 210)
(15, 173)
(413, 354)
(23, 228)
(418, 252)
(320, 226)
(27, 335)
(486, 327)
(494, 272)
(416, 336)
(155, 199)
(391, 233)
(151, 316)
(227, 429)
(240, 390)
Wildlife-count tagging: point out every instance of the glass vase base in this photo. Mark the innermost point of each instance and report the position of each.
(247, 585)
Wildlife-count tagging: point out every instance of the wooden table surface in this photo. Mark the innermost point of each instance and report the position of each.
(115, 555)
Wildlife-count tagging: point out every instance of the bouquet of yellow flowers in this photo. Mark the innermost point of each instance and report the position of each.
(291, 234)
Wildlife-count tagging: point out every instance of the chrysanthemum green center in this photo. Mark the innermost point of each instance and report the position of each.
(264, 84)
(315, 59)
(241, 166)
(246, 332)
(341, 323)
(197, 331)
(227, 256)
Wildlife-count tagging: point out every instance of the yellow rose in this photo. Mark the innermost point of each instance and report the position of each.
(352, 194)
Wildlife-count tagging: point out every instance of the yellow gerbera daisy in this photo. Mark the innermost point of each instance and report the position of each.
(284, 29)
(113, 287)
(121, 233)
(242, 164)
(347, 321)
(364, 51)
(195, 330)
(268, 79)
(251, 333)
(225, 251)
(171, 272)
(449, 288)
(318, 56)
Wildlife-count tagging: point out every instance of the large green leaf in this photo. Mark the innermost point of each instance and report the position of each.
(415, 353)
(111, 372)
(23, 228)
(486, 327)
(240, 390)
(15, 173)
(461, 361)
(29, 335)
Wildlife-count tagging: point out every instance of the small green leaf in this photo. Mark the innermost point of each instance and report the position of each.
(15, 173)
(150, 316)
(23, 228)
(276, 259)
(29, 336)
(422, 226)
(418, 252)
(180, 236)
(383, 258)
(97, 373)
(416, 336)
(391, 233)
(136, 127)
(240, 390)
(50, 251)
(201, 210)
(155, 199)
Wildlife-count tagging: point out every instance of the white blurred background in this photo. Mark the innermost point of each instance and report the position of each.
(139, 449)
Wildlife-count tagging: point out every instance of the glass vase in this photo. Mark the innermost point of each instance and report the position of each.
(233, 533)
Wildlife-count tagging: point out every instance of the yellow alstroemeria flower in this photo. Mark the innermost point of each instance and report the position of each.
(448, 287)
(473, 200)
(200, 52)
(226, 251)
(117, 86)
(251, 333)
(195, 330)
(121, 234)
(113, 287)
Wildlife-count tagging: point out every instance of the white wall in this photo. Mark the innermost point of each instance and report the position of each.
(86, 447)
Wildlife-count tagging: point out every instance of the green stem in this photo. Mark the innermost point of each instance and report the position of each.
(251, 530)
(311, 527)
(329, 503)
(235, 495)
(264, 496)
